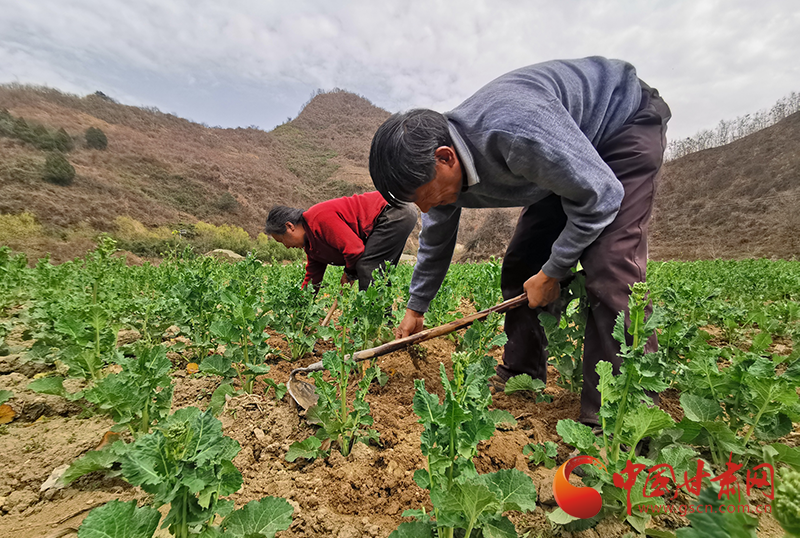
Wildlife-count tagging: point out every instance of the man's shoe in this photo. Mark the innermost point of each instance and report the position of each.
(497, 384)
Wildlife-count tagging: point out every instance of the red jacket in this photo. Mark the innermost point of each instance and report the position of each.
(336, 231)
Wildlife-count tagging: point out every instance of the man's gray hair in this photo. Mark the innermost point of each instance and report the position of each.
(402, 158)
(279, 215)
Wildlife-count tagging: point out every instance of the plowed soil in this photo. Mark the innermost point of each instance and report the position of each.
(364, 494)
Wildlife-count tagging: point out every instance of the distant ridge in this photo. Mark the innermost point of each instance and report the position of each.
(733, 201)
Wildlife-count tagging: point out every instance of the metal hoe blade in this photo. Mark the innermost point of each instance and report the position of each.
(303, 392)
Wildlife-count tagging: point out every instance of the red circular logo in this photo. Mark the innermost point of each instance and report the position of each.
(580, 502)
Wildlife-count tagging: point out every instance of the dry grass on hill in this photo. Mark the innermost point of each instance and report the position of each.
(732, 201)
(161, 169)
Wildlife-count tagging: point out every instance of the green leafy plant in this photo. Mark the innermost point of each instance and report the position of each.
(565, 332)
(137, 398)
(445, 307)
(117, 519)
(787, 501)
(627, 413)
(340, 420)
(186, 463)
(243, 332)
(621, 411)
(542, 454)
(295, 313)
(372, 308)
(748, 395)
(140, 395)
(525, 383)
(463, 499)
(716, 523)
(482, 336)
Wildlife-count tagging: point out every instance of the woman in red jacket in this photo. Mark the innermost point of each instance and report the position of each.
(360, 232)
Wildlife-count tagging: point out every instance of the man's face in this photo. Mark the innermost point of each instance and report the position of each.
(446, 184)
(295, 236)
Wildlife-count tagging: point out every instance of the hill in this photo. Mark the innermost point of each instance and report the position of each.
(163, 170)
(739, 200)
(733, 201)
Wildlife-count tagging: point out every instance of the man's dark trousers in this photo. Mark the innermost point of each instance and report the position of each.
(613, 262)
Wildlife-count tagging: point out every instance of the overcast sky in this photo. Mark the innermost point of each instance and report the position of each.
(239, 63)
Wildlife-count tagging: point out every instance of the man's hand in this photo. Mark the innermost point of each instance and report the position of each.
(541, 290)
(413, 322)
(346, 279)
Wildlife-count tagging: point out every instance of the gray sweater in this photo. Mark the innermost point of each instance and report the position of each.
(524, 136)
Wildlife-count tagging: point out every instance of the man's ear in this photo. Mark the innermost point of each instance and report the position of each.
(289, 227)
(446, 155)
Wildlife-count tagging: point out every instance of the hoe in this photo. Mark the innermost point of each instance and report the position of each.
(303, 391)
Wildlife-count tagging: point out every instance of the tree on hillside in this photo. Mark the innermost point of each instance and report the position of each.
(95, 138)
(58, 170)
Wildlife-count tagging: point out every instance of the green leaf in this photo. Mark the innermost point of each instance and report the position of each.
(560, 517)
(514, 489)
(5, 395)
(414, 529)
(95, 460)
(605, 370)
(717, 524)
(578, 435)
(543, 453)
(523, 382)
(690, 430)
(208, 442)
(643, 421)
(48, 385)
(774, 426)
(280, 388)
(501, 417)
(698, 409)
(761, 342)
(499, 527)
(217, 365)
(658, 533)
(259, 519)
(72, 327)
(788, 455)
(498, 341)
(224, 330)
(468, 500)
(724, 437)
(144, 464)
(308, 449)
(680, 458)
(217, 403)
(426, 405)
(637, 521)
(766, 392)
(118, 519)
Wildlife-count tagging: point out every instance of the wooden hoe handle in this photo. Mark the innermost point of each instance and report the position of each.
(447, 328)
